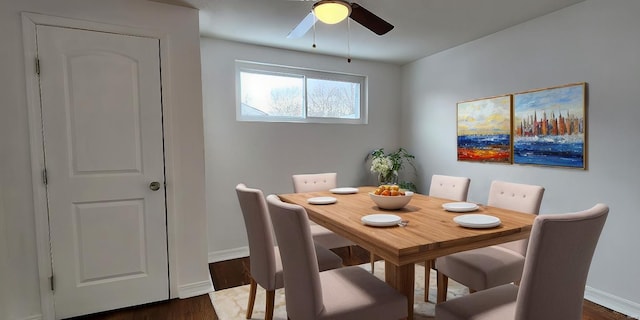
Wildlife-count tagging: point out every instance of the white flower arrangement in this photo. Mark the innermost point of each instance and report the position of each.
(382, 165)
(387, 166)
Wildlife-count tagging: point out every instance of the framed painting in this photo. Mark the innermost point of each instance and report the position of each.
(550, 126)
(484, 130)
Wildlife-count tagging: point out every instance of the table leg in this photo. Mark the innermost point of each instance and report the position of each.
(402, 278)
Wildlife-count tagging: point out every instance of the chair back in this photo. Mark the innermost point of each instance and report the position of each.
(259, 231)
(518, 197)
(314, 182)
(560, 251)
(449, 187)
(299, 262)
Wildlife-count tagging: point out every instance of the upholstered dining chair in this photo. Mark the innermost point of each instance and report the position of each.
(321, 182)
(492, 266)
(264, 256)
(446, 187)
(345, 293)
(559, 254)
(449, 187)
(314, 182)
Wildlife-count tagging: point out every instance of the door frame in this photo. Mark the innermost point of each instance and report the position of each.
(29, 23)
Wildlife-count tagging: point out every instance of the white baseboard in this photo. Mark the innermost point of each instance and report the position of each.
(615, 303)
(229, 254)
(195, 289)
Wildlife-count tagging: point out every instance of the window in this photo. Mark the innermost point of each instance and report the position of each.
(272, 93)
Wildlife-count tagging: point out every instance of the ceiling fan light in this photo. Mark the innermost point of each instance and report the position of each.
(331, 11)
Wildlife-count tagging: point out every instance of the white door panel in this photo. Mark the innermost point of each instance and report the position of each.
(106, 127)
(102, 124)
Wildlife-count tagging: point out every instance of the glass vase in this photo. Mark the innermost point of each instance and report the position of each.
(389, 178)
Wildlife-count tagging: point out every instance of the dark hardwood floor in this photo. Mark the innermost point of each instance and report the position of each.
(233, 273)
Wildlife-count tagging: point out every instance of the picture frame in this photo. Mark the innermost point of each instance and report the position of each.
(484, 130)
(549, 126)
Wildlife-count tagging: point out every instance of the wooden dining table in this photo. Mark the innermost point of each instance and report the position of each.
(430, 233)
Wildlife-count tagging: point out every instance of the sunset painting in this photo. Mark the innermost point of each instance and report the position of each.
(484, 130)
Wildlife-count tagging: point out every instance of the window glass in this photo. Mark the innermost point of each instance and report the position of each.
(333, 99)
(271, 95)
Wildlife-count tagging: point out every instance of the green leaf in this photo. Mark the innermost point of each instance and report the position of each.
(408, 185)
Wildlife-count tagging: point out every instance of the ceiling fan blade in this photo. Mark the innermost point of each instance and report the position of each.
(302, 27)
(369, 20)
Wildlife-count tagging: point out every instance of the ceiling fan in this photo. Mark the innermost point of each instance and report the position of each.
(334, 11)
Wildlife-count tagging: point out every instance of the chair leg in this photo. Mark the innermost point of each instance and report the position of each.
(427, 278)
(372, 260)
(268, 313)
(252, 297)
(443, 283)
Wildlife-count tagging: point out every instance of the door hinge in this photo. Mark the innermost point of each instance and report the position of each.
(45, 178)
(37, 66)
(51, 283)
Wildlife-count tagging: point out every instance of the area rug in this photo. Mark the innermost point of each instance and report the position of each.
(231, 304)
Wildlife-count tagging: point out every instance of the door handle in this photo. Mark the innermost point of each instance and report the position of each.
(154, 186)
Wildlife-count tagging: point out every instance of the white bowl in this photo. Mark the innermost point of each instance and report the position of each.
(391, 202)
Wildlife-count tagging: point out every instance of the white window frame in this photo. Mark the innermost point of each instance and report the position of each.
(255, 67)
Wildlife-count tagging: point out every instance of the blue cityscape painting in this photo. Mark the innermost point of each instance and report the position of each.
(549, 126)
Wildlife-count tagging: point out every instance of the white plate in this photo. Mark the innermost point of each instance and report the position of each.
(322, 200)
(345, 190)
(477, 221)
(381, 220)
(460, 206)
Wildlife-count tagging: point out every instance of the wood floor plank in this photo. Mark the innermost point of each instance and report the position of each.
(196, 308)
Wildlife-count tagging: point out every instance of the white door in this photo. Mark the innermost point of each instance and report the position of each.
(102, 132)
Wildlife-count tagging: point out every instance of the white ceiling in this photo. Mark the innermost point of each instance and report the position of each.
(422, 27)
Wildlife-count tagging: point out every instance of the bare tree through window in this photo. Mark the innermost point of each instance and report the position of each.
(332, 99)
(286, 102)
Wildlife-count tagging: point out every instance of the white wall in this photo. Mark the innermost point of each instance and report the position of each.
(597, 42)
(4, 269)
(20, 298)
(265, 155)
